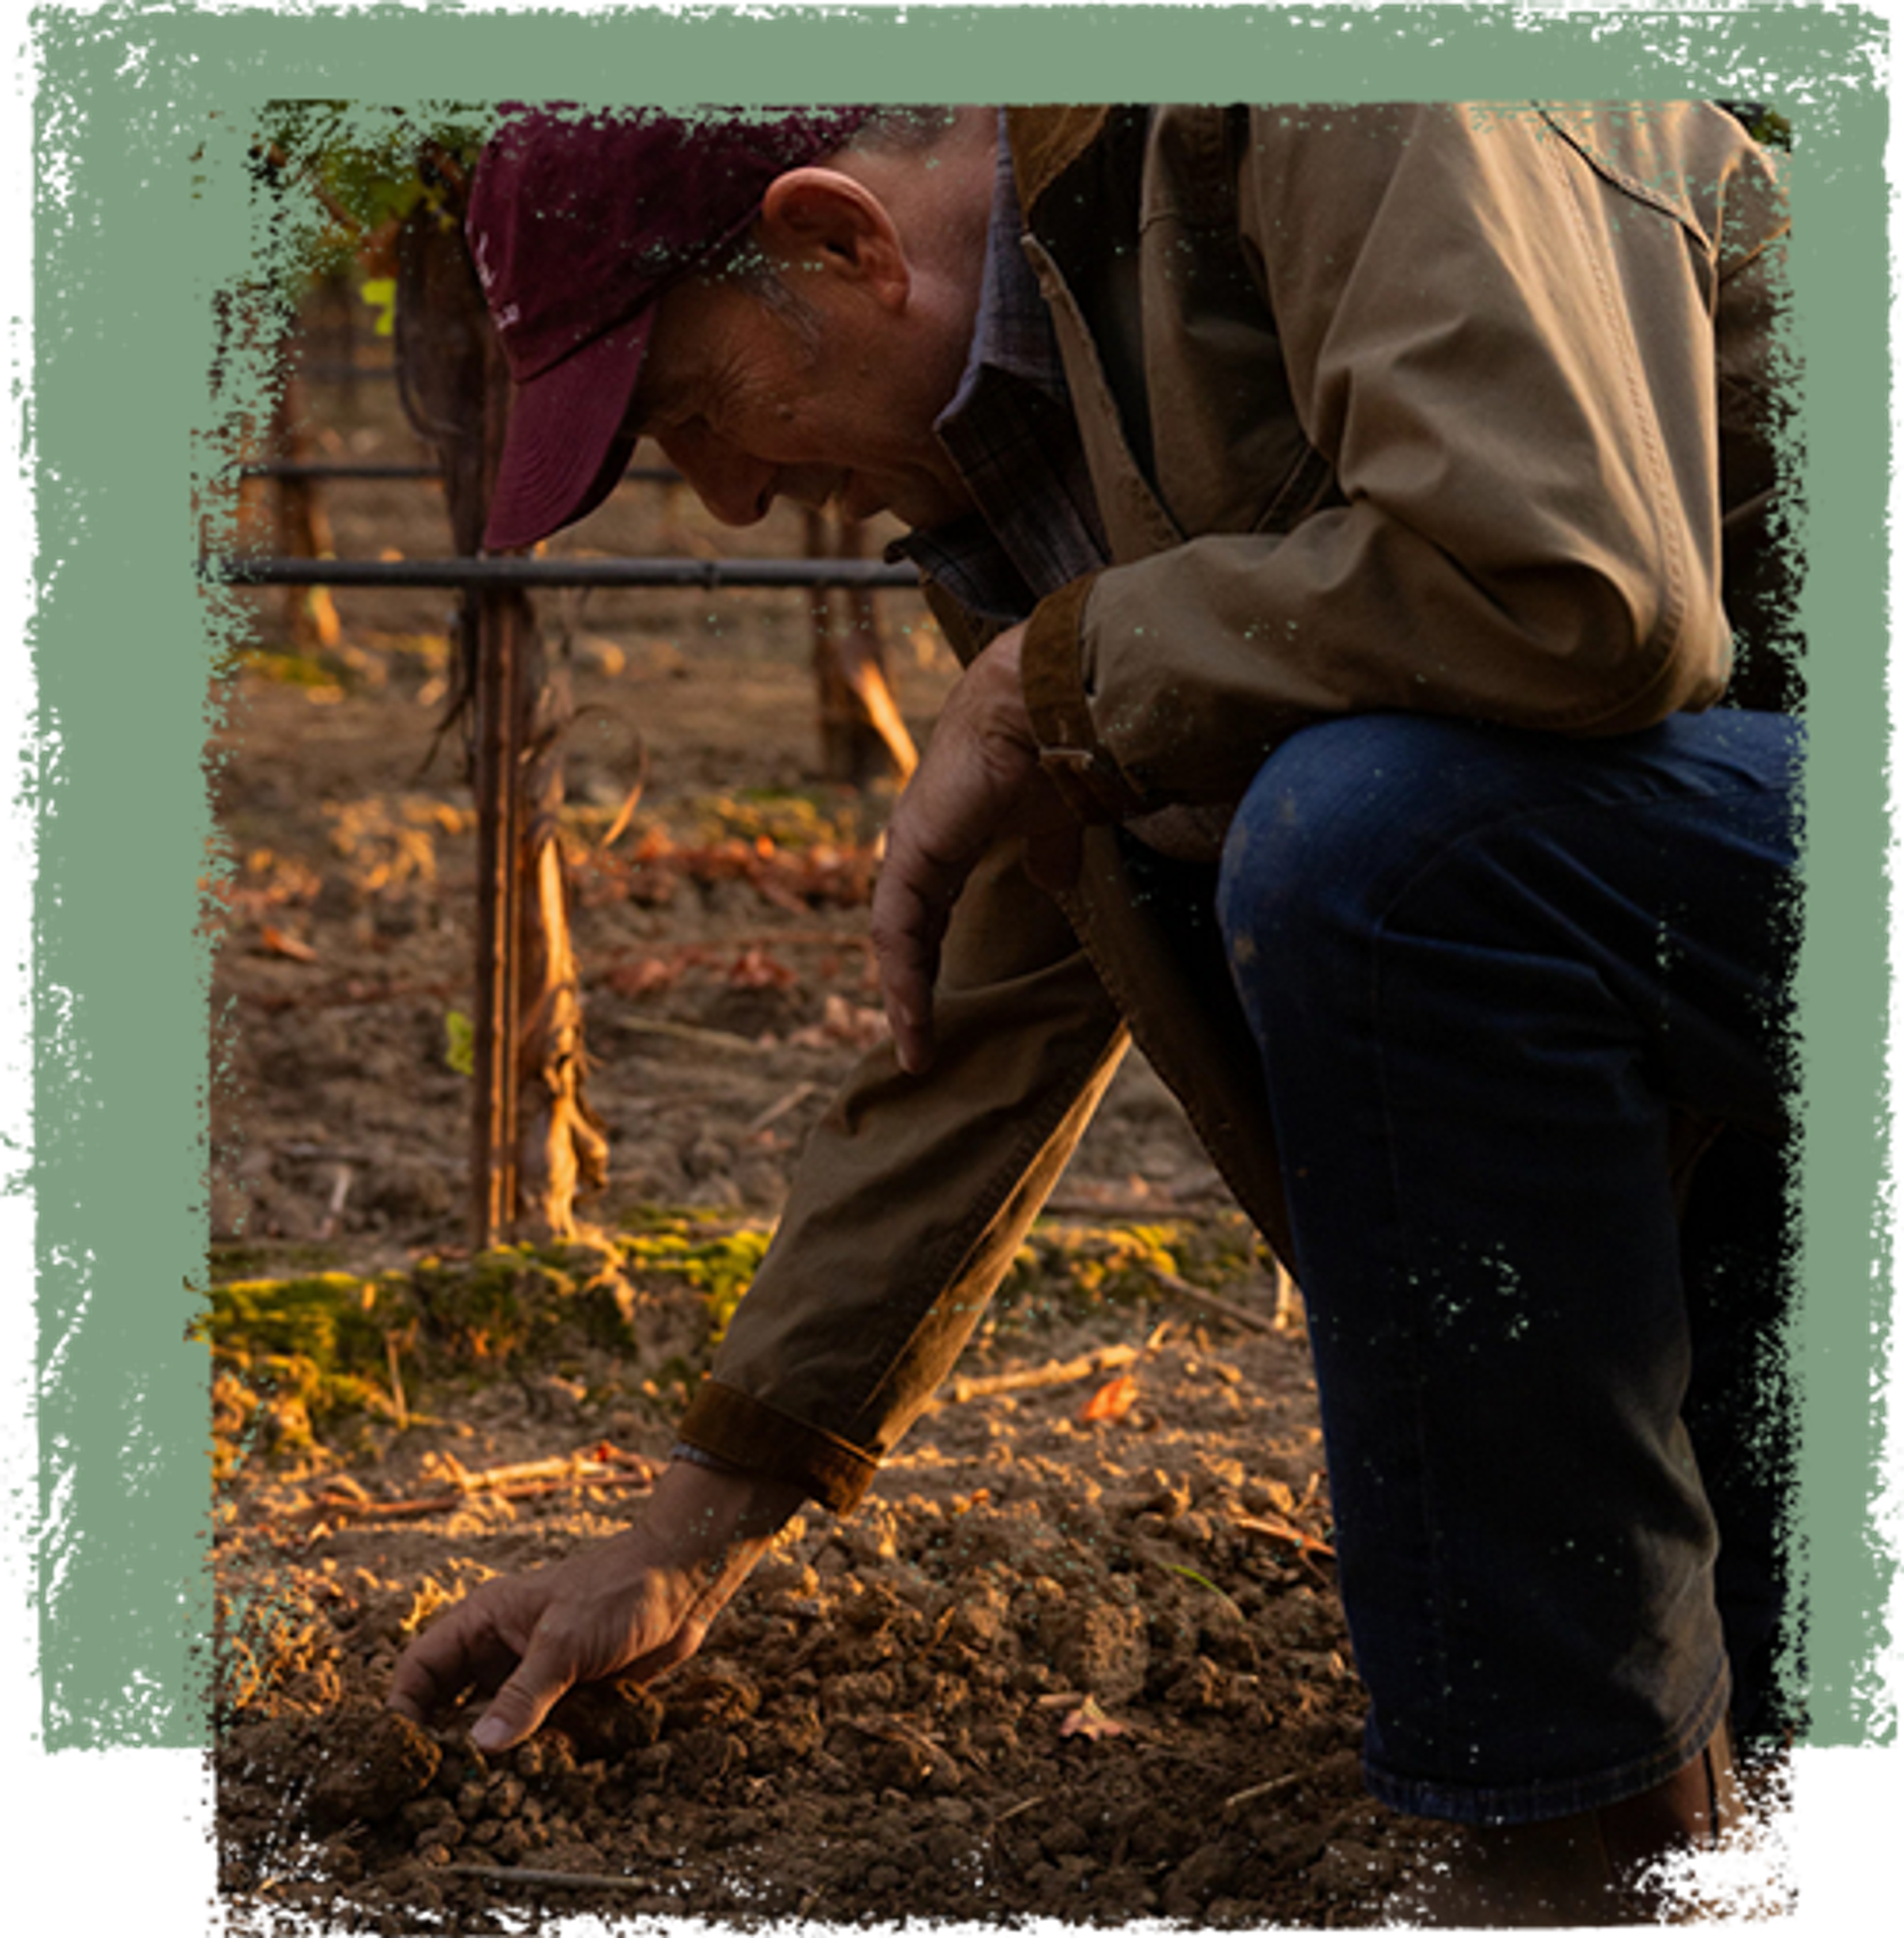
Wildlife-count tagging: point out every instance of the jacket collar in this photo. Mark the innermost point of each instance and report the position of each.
(1045, 142)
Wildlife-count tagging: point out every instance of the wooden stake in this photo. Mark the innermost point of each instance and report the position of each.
(303, 529)
(494, 1129)
(534, 1140)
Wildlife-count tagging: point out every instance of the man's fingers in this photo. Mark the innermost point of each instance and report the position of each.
(969, 789)
(912, 903)
(440, 1663)
(413, 1691)
(517, 1711)
(905, 982)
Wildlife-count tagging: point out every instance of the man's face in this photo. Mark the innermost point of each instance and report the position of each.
(751, 403)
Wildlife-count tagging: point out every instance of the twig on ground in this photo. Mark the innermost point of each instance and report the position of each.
(775, 1111)
(1275, 1786)
(1208, 1301)
(585, 1463)
(708, 1039)
(529, 1480)
(522, 1874)
(1278, 1529)
(340, 1191)
(1054, 1373)
(416, 1508)
(397, 1399)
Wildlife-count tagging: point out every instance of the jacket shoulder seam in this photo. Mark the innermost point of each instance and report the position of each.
(1628, 183)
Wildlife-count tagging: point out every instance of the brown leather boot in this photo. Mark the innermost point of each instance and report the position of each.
(1600, 1867)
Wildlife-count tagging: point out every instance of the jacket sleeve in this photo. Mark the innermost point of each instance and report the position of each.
(1498, 340)
(910, 1200)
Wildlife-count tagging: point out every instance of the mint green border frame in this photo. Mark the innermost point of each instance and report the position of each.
(134, 229)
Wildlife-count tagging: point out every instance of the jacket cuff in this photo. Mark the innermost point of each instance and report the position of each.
(1051, 672)
(747, 1433)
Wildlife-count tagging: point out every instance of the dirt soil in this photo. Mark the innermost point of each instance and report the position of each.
(1086, 1669)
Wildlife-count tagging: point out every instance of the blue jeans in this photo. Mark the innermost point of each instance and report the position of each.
(1496, 980)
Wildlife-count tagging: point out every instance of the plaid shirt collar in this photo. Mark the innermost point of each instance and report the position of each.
(1010, 430)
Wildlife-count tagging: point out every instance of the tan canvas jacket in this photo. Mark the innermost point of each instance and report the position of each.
(1465, 410)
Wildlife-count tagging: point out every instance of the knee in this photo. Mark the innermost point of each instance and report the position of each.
(1320, 830)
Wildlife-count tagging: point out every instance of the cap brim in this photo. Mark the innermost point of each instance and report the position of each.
(565, 450)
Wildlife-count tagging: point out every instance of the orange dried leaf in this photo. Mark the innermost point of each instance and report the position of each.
(841, 1022)
(1112, 1401)
(645, 976)
(277, 943)
(756, 969)
(1089, 1721)
(1278, 1529)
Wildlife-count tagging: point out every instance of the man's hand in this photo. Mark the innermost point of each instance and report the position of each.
(980, 780)
(637, 1604)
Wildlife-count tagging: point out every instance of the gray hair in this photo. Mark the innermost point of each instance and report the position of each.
(752, 271)
(904, 130)
(889, 131)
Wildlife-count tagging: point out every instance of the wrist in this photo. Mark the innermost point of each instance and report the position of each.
(1051, 680)
(704, 1515)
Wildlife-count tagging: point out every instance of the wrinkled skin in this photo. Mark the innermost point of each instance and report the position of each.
(637, 1604)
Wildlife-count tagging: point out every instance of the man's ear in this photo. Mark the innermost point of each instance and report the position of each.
(826, 219)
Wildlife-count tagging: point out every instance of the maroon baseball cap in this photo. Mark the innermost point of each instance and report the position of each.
(578, 223)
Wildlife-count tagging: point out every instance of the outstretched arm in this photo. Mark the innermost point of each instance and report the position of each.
(638, 1604)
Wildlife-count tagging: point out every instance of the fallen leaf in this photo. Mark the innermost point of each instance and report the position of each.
(1088, 1721)
(842, 1023)
(277, 943)
(646, 975)
(1278, 1529)
(1113, 1400)
(755, 969)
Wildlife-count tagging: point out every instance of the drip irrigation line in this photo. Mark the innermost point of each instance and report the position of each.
(707, 575)
(316, 471)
